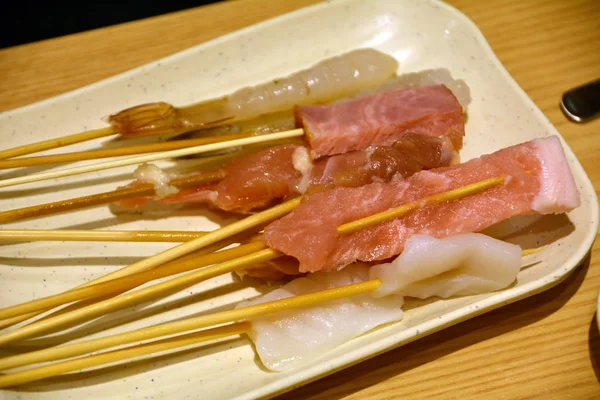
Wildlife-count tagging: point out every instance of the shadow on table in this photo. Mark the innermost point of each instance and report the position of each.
(448, 341)
(594, 346)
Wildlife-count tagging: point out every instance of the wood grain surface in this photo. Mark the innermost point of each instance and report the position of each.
(546, 346)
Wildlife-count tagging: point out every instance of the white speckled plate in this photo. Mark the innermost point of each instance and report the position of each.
(421, 35)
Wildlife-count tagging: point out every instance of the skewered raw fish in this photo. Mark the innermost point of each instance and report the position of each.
(258, 179)
(381, 119)
(285, 340)
(458, 265)
(328, 80)
(538, 180)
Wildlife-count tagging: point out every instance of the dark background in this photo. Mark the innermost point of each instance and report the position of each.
(29, 21)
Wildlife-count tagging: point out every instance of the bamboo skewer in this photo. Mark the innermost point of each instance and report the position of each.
(4, 323)
(55, 143)
(528, 252)
(28, 235)
(210, 238)
(121, 151)
(127, 270)
(388, 215)
(94, 235)
(193, 257)
(124, 354)
(15, 320)
(139, 295)
(192, 245)
(104, 198)
(204, 321)
(170, 328)
(185, 263)
(139, 191)
(191, 261)
(11, 321)
(136, 279)
(151, 157)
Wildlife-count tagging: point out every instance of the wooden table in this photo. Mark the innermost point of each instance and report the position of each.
(545, 346)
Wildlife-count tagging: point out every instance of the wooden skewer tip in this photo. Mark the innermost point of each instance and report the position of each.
(58, 142)
(151, 157)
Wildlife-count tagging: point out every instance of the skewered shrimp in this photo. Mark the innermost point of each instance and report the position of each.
(284, 120)
(330, 79)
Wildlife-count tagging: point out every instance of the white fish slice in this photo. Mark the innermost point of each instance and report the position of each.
(459, 265)
(289, 339)
(288, 336)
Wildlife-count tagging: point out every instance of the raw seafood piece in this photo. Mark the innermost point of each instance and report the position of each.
(258, 179)
(329, 79)
(285, 340)
(381, 119)
(460, 265)
(281, 121)
(538, 180)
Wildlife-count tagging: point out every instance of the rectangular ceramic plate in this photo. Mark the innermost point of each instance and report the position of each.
(421, 35)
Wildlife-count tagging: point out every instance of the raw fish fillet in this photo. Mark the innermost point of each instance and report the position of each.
(381, 119)
(288, 339)
(538, 180)
(259, 179)
(460, 265)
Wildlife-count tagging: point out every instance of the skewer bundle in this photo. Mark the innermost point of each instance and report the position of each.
(130, 277)
(199, 257)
